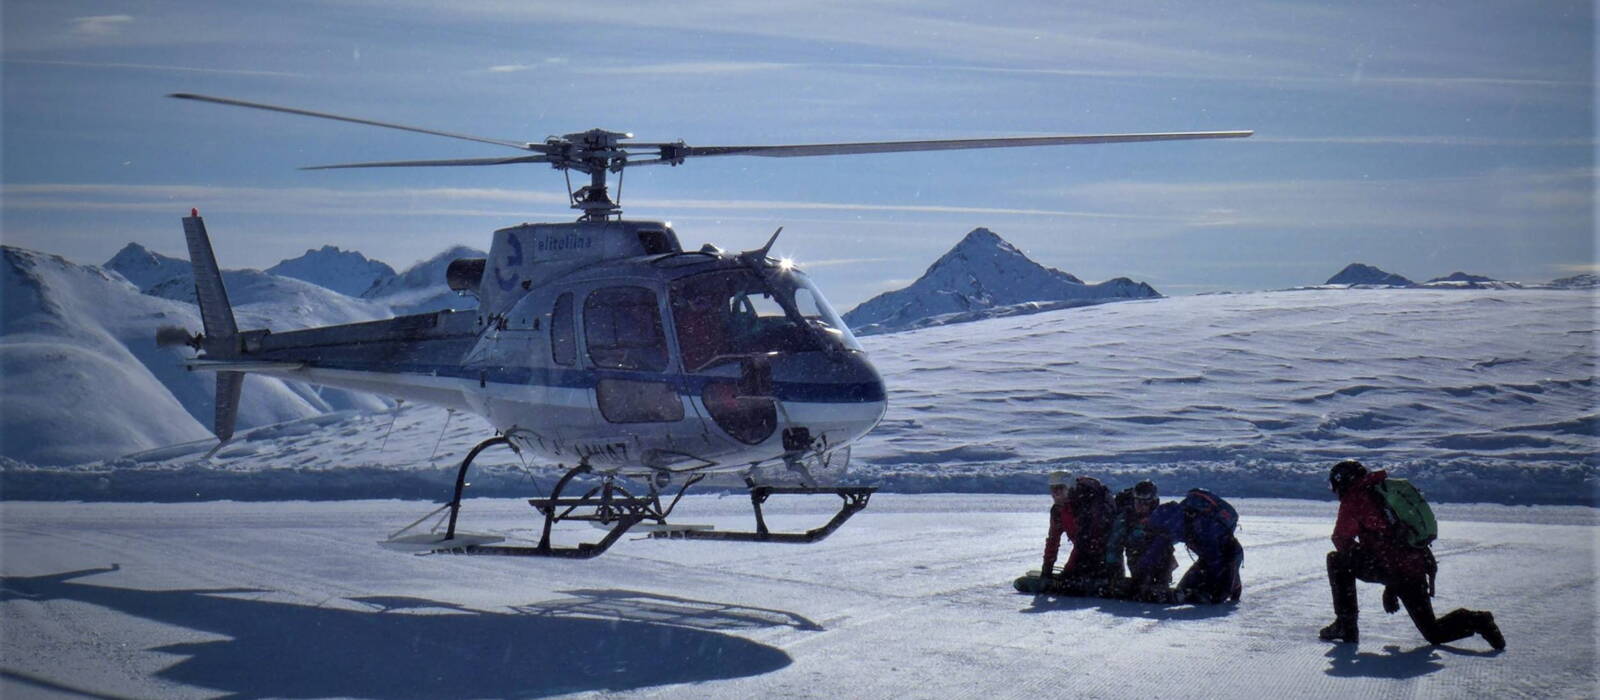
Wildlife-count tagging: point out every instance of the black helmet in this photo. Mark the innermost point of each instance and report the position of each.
(1344, 474)
(1145, 490)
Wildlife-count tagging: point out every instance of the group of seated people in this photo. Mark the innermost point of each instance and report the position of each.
(1122, 546)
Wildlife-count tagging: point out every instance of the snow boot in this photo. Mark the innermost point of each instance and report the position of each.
(1343, 629)
(1490, 631)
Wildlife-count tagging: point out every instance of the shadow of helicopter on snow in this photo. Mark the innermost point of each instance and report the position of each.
(406, 647)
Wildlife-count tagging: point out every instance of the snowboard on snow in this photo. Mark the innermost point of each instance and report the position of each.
(1114, 589)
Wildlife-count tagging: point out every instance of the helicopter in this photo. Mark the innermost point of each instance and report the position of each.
(601, 342)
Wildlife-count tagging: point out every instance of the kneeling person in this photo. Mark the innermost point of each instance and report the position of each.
(1081, 510)
(1205, 524)
(1149, 556)
(1368, 546)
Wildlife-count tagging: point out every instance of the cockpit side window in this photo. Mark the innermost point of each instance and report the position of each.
(655, 242)
(730, 313)
(563, 337)
(622, 329)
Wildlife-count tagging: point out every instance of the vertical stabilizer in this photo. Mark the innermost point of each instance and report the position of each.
(221, 338)
(221, 333)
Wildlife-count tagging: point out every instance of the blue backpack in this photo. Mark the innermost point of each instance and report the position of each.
(1211, 520)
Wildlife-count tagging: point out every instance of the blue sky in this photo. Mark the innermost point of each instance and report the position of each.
(1424, 138)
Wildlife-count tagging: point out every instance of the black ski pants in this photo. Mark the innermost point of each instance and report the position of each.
(1345, 568)
(1215, 579)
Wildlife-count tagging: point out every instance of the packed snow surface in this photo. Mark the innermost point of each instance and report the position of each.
(1484, 395)
(912, 598)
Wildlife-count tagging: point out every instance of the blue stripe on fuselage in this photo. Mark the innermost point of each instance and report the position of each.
(685, 384)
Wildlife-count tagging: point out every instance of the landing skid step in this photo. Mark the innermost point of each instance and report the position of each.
(652, 528)
(434, 541)
(855, 498)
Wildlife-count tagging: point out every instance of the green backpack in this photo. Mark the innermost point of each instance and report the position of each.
(1410, 518)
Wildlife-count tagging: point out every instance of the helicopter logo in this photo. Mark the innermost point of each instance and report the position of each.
(603, 342)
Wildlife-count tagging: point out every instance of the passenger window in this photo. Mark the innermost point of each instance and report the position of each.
(625, 401)
(622, 327)
(563, 337)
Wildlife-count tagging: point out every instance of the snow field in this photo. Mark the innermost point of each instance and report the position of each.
(912, 598)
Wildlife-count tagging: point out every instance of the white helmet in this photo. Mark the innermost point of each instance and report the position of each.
(1059, 478)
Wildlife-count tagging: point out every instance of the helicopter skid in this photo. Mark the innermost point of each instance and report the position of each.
(612, 507)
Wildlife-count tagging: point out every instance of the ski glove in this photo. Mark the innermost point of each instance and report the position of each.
(1391, 600)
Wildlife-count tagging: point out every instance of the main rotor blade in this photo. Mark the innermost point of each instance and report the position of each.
(833, 149)
(421, 163)
(520, 145)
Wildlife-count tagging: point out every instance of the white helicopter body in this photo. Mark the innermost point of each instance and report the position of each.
(603, 343)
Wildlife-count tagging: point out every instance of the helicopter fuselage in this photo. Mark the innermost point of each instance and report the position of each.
(603, 342)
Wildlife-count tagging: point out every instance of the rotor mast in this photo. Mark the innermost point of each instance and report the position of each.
(595, 152)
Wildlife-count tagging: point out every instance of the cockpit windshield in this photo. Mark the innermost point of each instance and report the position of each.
(740, 312)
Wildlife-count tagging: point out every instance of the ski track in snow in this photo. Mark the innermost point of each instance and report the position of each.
(911, 599)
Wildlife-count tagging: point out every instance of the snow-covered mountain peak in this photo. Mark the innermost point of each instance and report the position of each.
(345, 271)
(981, 240)
(988, 259)
(1462, 277)
(1583, 281)
(421, 288)
(982, 272)
(1361, 273)
(84, 378)
(1462, 280)
(144, 267)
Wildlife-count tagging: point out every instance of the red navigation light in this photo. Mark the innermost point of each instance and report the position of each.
(194, 212)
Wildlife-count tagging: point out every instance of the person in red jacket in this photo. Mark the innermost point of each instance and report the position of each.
(1365, 547)
(1082, 512)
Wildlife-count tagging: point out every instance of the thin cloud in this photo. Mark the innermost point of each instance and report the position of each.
(520, 67)
(898, 208)
(100, 25)
(1498, 200)
(692, 68)
(1579, 269)
(153, 67)
(437, 201)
